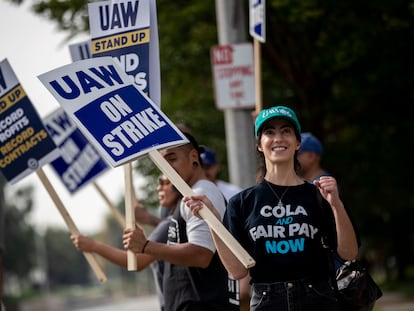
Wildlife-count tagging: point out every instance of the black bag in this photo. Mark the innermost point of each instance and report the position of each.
(356, 289)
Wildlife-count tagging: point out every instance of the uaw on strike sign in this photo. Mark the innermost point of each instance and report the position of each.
(119, 119)
(79, 163)
(25, 145)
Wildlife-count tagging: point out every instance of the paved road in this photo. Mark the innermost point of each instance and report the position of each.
(389, 302)
(149, 303)
(394, 302)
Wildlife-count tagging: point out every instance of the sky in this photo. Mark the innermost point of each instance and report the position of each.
(33, 46)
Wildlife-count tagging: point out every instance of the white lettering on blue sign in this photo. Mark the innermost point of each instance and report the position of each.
(12, 124)
(129, 62)
(129, 131)
(78, 170)
(115, 108)
(69, 151)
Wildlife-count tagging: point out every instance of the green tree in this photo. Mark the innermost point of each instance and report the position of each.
(347, 65)
(66, 265)
(19, 246)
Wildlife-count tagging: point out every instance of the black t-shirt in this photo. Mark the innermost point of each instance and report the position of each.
(284, 241)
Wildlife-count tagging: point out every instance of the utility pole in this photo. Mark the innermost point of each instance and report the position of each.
(239, 124)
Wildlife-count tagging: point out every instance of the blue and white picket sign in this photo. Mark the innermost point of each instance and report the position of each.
(25, 145)
(127, 30)
(80, 162)
(257, 20)
(111, 111)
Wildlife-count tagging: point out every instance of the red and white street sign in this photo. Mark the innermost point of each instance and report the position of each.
(233, 73)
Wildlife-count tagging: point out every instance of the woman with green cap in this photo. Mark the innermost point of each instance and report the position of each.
(280, 222)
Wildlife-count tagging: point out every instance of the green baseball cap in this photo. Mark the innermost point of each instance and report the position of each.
(277, 112)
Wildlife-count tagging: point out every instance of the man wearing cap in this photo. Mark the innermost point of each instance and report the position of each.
(212, 169)
(309, 157)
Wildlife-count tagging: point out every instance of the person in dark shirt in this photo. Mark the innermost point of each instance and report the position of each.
(281, 222)
(194, 277)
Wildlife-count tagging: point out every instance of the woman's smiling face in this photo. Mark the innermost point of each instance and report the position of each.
(278, 140)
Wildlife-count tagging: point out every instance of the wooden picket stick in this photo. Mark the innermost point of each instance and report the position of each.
(70, 224)
(204, 212)
(258, 76)
(115, 211)
(130, 199)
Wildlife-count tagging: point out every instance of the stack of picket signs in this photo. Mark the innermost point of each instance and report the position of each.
(109, 116)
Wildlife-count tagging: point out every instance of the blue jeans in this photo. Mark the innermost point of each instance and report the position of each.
(298, 295)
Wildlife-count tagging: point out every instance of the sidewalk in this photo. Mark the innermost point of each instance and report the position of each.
(388, 302)
(394, 302)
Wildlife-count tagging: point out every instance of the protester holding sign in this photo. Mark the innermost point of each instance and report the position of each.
(129, 126)
(194, 277)
(26, 145)
(281, 222)
(169, 199)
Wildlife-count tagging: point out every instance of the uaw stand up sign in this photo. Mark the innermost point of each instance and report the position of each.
(127, 31)
(123, 123)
